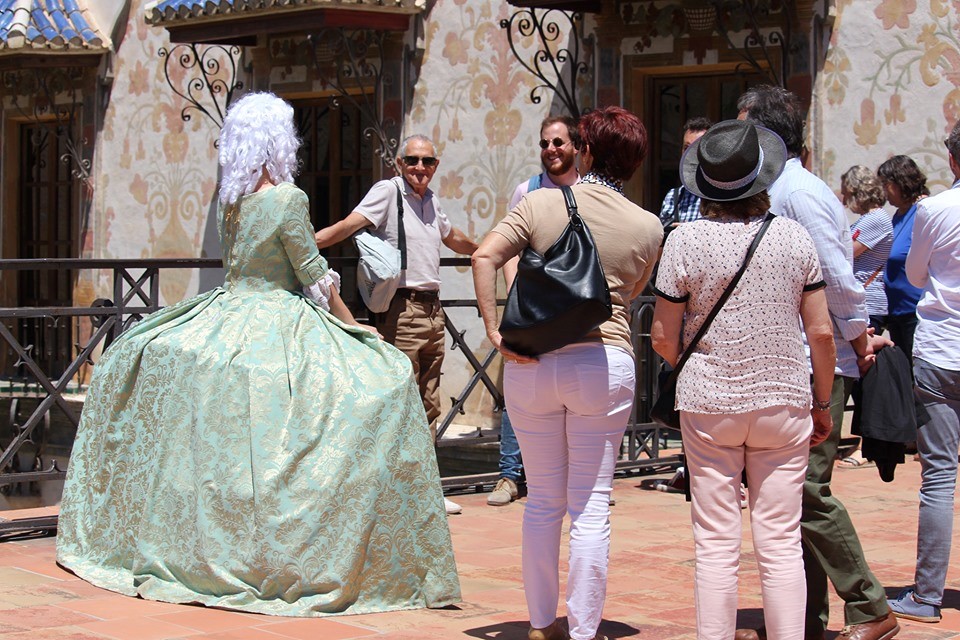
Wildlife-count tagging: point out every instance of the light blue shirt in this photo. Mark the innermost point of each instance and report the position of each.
(799, 195)
(521, 190)
(934, 265)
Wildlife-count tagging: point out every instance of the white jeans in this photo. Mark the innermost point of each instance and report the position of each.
(569, 411)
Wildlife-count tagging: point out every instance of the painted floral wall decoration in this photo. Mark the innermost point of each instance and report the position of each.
(891, 84)
(474, 102)
(157, 174)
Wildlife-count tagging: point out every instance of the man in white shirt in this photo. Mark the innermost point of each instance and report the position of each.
(559, 146)
(414, 323)
(831, 547)
(933, 264)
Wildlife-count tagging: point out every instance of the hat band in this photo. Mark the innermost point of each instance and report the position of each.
(735, 184)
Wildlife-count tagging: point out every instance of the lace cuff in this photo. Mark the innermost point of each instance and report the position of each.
(319, 291)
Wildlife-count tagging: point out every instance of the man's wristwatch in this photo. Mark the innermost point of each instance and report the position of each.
(821, 405)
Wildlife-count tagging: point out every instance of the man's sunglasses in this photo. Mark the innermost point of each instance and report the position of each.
(412, 161)
(557, 142)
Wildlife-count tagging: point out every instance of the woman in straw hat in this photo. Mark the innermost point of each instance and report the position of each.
(744, 394)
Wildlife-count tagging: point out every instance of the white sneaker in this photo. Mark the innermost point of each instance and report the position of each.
(451, 506)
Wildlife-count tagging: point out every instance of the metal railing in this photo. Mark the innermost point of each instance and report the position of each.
(136, 293)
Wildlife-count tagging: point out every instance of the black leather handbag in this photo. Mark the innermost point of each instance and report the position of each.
(559, 297)
(664, 410)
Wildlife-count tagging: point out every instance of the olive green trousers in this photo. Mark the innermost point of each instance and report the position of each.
(831, 548)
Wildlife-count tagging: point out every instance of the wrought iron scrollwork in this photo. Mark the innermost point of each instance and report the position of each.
(212, 77)
(356, 57)
(734, 15)
(45, 86)
(74, 154)
(555, 66)
(769, 26)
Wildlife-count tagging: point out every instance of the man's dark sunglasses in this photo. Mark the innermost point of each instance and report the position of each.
(557, 142)
(412, 161)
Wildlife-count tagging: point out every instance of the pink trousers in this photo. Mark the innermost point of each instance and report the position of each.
(569, 411)
(773, 446)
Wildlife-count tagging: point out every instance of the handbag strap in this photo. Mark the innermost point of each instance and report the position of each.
(726, 294)
(401, 235)
(873, 276)
(571, 203)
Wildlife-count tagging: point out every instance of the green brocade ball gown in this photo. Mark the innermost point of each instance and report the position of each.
(245, 449)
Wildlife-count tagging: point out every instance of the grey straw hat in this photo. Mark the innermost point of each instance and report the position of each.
(733, 160)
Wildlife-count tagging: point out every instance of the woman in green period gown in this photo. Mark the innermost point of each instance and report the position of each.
(246, 448)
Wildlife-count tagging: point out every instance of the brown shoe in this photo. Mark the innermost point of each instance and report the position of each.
(554, 632)
(880, 629)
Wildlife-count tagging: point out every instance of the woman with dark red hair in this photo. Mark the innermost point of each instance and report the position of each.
(569, 406)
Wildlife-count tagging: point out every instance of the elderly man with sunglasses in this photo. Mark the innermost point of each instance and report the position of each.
(414, 323)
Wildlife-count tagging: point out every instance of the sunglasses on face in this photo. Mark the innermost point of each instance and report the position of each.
(412, 161)
(557, 142)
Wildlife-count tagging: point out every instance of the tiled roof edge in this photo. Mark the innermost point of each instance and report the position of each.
(159, 12)
(56, 25)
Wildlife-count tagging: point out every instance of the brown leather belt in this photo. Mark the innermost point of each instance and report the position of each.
(418, 296)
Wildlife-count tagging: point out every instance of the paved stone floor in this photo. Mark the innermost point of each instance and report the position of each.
(649, 597)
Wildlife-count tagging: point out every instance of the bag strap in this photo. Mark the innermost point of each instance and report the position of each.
(571, 203)
(534, 183)
(401, 235)
(676, 203)
(873, 276)
(726, 294)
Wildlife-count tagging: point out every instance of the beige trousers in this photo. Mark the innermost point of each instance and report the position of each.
(417, 328)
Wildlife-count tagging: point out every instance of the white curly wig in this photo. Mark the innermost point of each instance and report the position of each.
(258, 133)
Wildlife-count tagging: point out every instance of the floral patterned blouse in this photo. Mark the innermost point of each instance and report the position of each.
(752, 356)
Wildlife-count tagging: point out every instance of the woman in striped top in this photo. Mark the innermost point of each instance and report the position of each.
(863, 194)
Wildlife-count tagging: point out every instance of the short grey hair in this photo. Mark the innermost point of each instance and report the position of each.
(402, 149)
(953, 142)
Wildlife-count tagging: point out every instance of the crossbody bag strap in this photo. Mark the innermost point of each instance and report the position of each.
(676, 203)
(873, 276)
(726, 294)
(401, 235)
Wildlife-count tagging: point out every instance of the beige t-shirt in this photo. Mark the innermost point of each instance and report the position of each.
(627, 239)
